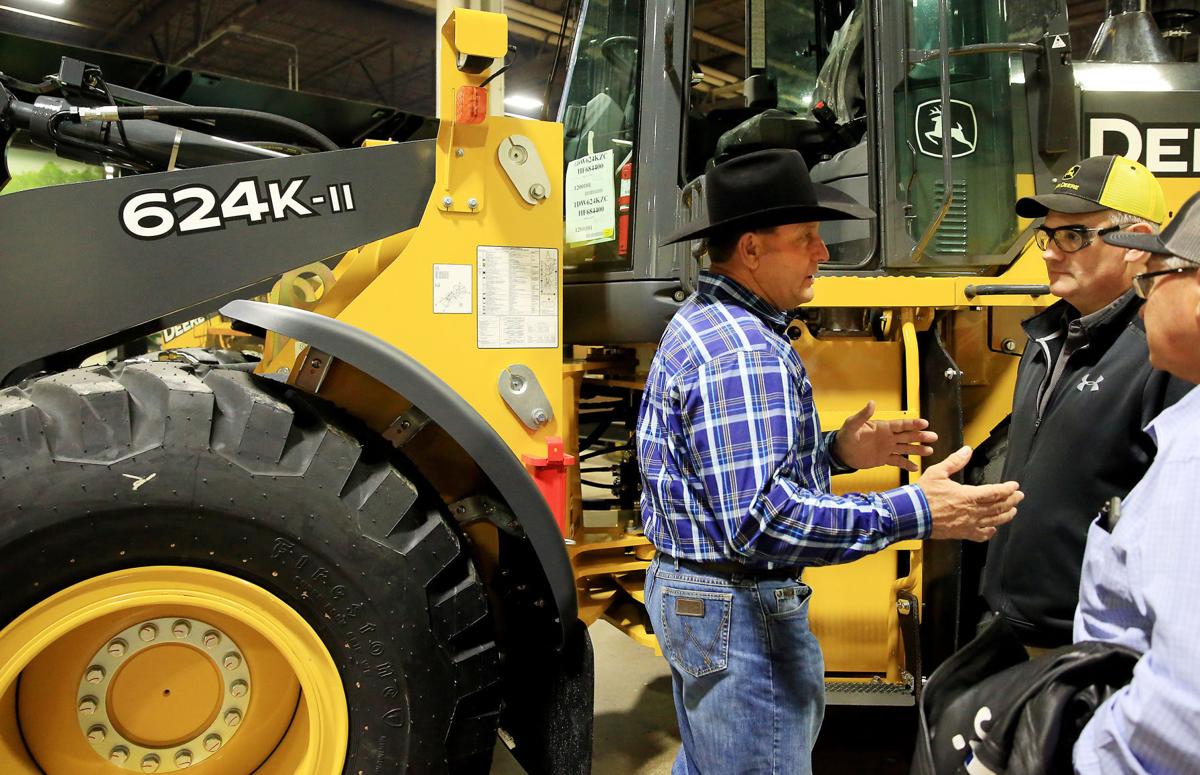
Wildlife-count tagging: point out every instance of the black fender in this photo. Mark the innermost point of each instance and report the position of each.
(444, 406)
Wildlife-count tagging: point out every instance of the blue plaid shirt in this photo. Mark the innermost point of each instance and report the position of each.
(734, 466)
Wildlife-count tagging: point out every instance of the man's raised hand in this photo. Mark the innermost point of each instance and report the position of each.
(865, 443)
(963, 511)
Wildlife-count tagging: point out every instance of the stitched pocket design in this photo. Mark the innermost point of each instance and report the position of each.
(789, 601)
(695, 626)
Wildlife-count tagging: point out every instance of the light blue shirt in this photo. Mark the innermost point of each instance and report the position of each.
(1141, 588)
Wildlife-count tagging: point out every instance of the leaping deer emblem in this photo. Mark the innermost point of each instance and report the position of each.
(956, 132)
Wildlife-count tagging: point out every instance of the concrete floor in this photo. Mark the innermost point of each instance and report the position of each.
(635, 730)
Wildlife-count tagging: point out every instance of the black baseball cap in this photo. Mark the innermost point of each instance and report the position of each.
(1180, 238)
(1101, 183)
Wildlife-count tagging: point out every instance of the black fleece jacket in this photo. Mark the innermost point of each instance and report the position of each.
(1083, 446)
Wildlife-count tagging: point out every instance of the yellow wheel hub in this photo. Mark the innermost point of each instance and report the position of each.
(163, 669)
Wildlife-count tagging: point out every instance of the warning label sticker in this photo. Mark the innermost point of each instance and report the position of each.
(517, 297)
(452, 289)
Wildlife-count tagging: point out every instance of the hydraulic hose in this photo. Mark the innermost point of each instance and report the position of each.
(177, 112)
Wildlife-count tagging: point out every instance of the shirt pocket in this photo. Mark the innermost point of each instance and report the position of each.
(695, 627)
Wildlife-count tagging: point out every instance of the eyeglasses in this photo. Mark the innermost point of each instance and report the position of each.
(1143, 283)
(1069, 239)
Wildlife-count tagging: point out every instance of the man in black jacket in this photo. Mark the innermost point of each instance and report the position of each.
(1085, 390)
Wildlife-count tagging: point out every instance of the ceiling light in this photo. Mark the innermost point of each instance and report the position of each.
(522, 102)
(46, 17)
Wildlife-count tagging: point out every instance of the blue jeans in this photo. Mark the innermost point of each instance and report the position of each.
(747, 673)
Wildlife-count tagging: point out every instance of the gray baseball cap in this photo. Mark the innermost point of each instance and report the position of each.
(1181, 237)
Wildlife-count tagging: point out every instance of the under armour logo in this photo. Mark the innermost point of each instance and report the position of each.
(1094, 384)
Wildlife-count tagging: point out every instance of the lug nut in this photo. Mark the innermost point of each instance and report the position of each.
(95, 674)
(211, 639)
(181, 629)
(118, 755)
(232, 661)
(148, 633)
(87, 705)
(239, 688)
(150, 763)
(183, 759)
(97, 733)
(117, 648)
(233, 717)
(212, 743)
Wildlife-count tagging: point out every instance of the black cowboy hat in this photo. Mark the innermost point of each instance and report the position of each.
(766, 188)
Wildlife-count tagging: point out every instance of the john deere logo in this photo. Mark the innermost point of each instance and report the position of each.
(1071, 173)
(963, 129)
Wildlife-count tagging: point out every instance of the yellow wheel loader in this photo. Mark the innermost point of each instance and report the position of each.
(369, 550)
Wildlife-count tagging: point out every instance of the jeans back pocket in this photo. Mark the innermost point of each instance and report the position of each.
(695, 628)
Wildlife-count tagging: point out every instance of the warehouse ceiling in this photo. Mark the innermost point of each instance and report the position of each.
(377, 51)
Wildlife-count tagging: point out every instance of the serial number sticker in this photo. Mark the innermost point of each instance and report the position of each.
(196, 208)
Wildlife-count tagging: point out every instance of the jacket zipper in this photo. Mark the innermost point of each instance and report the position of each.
(1037, 422)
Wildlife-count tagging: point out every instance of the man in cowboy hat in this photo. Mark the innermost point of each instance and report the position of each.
(735, 475)
(1084, 380)
(1140, 582)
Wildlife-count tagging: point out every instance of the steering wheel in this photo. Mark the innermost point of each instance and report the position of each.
(620, 50)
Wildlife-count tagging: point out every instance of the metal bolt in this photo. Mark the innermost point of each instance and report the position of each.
(904, 607)
(181, 629)
(118, 755)
(212, 743)
(1009, 346)
(211, 639)
(150, 763)
(183, 759)
(239, 688)
(679, 295)
(148, 633)
(472, 203)
(950, 373)
(233, 717)
(537, 191)
(87, 705)
(95, 674)
(97, 733)
(447, 201)
(539, 416)
(316, 363)
(232, 661)
(459, 152)
(517, 383)
(117, 648)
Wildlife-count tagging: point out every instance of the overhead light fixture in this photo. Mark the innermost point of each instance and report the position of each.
(51, 2)
(47, 17)
(522, 102)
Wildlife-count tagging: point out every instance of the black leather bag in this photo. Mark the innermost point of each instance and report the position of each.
(990, 710)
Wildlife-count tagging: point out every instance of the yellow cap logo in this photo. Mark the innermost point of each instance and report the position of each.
(1071, 172)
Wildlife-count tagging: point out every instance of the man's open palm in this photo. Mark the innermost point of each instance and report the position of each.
(866, 443)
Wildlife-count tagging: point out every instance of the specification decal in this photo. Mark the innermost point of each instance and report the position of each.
(452, 289)
(196, 208)
(518, 297)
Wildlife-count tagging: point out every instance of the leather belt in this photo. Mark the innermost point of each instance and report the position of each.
(733, 569)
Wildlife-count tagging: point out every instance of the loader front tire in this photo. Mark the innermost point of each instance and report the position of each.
(201, 569)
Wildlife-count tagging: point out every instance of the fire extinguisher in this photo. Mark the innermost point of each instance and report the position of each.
(623, 209)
